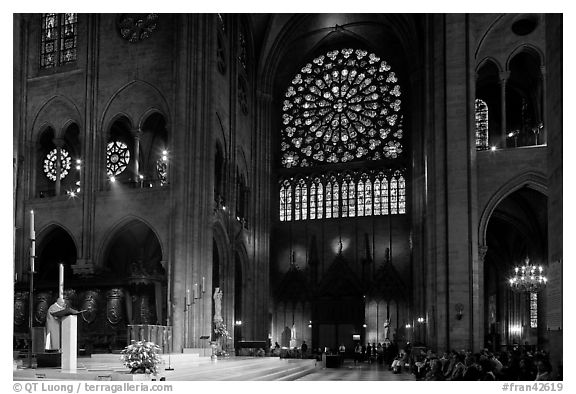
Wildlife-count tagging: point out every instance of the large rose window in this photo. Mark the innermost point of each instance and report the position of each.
(343, 106)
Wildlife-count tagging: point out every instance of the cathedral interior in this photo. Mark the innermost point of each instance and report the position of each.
(338, 177)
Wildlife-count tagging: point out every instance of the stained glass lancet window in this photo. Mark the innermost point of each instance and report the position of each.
(481, 114)
(117, 157)
(329, 200)
(304, 194)
(344, 193)
(286, 201)
(394, 195)
(533, 310)
(343, 106)
(360, 196)
(319, 198)
(59, 39)
(313, 200)
(401, 194)
(377, 196)
(364, 196)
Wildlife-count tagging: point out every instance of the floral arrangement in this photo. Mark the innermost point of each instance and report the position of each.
(220, 331)
(141, 357)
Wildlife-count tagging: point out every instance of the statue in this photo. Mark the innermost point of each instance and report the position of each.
(218, 305)
(386, 328)
(53, 325)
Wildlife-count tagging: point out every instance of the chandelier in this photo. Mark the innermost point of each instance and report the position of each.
(528, 278)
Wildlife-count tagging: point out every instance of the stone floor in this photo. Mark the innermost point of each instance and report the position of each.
(189, 367)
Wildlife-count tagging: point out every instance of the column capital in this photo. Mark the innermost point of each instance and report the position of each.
(482, 250)
(543, 70)
(59, 142)
(504, 76)
(136, 132)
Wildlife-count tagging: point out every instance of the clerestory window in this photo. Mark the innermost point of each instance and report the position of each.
(59, 40)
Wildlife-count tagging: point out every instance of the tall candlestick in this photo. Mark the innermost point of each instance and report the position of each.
(203, 284)
(33, 242)
(187, 296)
(195, 290)
(61, 282)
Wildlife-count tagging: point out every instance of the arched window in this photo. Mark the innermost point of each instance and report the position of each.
(364, 196)
(401, 194)
(59, 40)
(348, 197)
(384, 194)
(397, 194)
(533, 310)
(332, 198)
(319, 198)
(481, 114)
(304, 205)
(285, 201)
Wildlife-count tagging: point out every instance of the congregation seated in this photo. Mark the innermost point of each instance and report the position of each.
(517, 364)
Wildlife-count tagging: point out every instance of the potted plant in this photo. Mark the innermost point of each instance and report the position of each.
(141, 357)
(221, 334)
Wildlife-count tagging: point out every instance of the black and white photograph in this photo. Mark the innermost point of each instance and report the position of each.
(371, 197)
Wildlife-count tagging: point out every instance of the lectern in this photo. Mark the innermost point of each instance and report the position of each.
(69, 344)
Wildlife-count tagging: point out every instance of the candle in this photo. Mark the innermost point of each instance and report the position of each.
(61, 282)
(195, 290)
(203, 284)
(32, 235)
(187, 296)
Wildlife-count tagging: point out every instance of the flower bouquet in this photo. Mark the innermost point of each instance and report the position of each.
(141, 357)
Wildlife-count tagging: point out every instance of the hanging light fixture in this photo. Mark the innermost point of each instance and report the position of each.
(528, 278)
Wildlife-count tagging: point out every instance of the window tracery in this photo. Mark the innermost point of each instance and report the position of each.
(343, 106)
(51, 163)
(117, 157)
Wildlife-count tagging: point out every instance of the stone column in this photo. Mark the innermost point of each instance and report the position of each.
(136, 133)
(504, 75)
(59, 142)
(541, 136)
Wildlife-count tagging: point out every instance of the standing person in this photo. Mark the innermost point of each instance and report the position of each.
(304, 349)
(342, 352)
(358, 353)
(368, 352)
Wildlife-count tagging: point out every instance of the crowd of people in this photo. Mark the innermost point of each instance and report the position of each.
(517, 364)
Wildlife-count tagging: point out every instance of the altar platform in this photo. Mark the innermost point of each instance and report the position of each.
(186, 367)
(192, 367)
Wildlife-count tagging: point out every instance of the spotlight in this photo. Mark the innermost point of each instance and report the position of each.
(112, 179)
(364, 325)
(238, 322)
(72, 194)
(408, 326)
(78, 167)
(141, 176)
(78, 161)
(493, 148)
